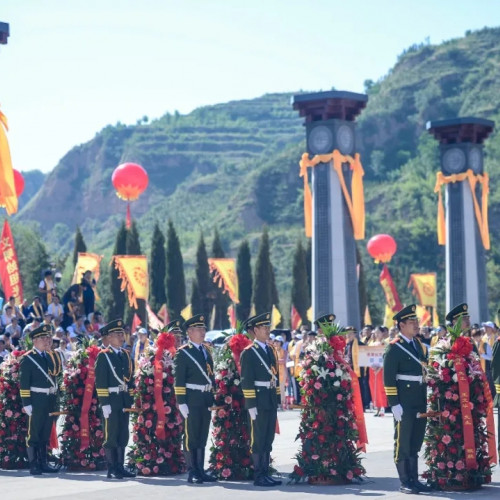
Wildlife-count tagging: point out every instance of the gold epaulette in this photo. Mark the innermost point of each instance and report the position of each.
(183, 346)
(395, 341)
(248, 347)
(105, 349)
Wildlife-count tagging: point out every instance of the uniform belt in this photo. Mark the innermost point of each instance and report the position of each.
(199, 387)
(116, 390)
(41, 390)
(409, 378)
(259, 383)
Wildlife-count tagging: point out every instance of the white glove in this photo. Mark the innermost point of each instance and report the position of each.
(397, 412)
(253, 413)
(28, 410)
(184, 410)
(106, 411)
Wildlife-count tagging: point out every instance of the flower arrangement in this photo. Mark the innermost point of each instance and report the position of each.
(13, 422)
(332, 430)
(81, 436)
(230, 451)
(157, 433)
(457, 443)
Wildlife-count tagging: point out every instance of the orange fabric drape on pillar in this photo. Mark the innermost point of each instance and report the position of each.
(355, 202)
(481, 212)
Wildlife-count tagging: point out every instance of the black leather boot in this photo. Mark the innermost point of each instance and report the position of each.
(43, 459)
(192, 470)
(113, 471)
(413, 472)
(33, 460)
(265, 469)
(200, 461)
(120, 462)
(406, 485)
(259, 478)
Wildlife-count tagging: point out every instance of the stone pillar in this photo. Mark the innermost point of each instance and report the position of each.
(329, 121)
(461, 148)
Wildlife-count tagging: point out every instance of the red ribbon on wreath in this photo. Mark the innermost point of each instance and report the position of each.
(165, 342)
(92, 351)
(490, 421)
(463, 389)
(359, 413)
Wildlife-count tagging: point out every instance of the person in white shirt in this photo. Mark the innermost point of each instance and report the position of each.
(14, 331)
(55, 308)
(7, 316)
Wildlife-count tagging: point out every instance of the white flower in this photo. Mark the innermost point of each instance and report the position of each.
(236, 381)
(315, 368)
(338, 372)
(323, 373)
(455, 377)
(337, 383)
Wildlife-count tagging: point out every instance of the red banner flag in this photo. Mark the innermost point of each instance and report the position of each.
(295, 319)
(391, 294)
(136, 323)
(9, 266)
(163, 314)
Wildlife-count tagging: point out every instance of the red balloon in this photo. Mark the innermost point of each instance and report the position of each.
(18, 183)
(382, 247)
(129, 180)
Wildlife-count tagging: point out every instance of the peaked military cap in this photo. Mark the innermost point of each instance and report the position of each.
(260, 320)
(249, 322)
(41, 331)
(348, 329)
(113, 326)
(198, 320)
(174, 326)
(408, 312)
(457, 311)
(326, 318)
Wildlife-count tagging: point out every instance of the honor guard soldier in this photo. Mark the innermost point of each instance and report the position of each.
(194, 390)
(114, 384)
(39, 370)
(406, 390)
(460, 311)
(175, 328)
(261, 389)
(327, 319)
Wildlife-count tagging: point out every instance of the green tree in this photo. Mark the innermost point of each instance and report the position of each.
(244, 272)
(202, 300)
(222, 300)
(116, 303)
(157, 269)
(264, 276)
(133, 240)
(80, 245)
(300, 290)
(174, 280)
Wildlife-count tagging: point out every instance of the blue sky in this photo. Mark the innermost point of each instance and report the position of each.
(72, 67)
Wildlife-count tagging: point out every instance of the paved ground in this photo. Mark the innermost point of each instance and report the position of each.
(380, 483)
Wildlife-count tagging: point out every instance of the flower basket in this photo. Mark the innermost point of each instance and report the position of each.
(149, 454)
(329, 430)
(78, 372)
(230, 451)
(13, 422)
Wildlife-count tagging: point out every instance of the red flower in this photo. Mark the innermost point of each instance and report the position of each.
(462, 347)
(337, 343)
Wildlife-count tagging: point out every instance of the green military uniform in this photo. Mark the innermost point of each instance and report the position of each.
(495, 372)
(405, 385)
(38, 387)
(194, 387)
(114, 384)
(261, 389)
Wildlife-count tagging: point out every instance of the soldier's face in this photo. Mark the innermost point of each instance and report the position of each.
(115, 339)
(262, 333)
(196, 334)
(465, 322)
(409, 328)
(40, 343)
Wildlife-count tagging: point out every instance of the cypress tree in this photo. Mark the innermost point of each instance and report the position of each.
(263, 282)
(203, 283)
(196, 302)
(244, 272)
(116, 303)
(300, 290)
(174, 279)
(309, 265)
(222, 299)
(133, 247)
(79, 245)
(157, 269)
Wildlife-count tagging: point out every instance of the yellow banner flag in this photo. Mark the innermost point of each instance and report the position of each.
(187, 312)
(310, 314)
(8, 195)
(424, 316)
(424, 288)
(275, 317)
(367, 318)
(133, 271)
(253, 312)
(225, 276)
(87, 262)
(435, 317)
(388, 314)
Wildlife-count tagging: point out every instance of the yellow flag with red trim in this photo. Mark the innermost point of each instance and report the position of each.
(275, 317)
(388, 314)
(224, 274)
(8, 195)
(87, 262)
(133, 271)
(187, 312)
(424, 288)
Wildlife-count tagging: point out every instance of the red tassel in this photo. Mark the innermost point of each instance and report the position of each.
(128, 219)
(54, 444)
